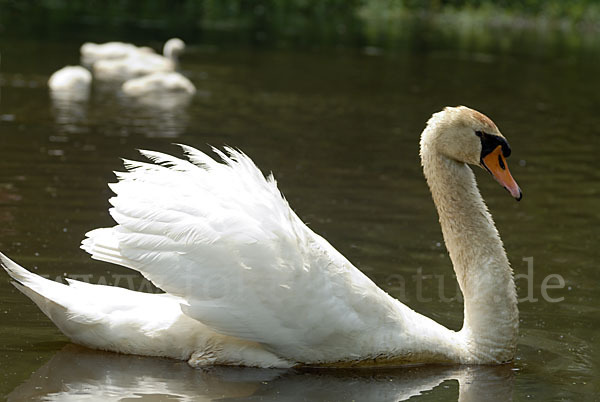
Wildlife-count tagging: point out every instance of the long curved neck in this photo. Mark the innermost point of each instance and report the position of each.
(482, 268)
(170, 52)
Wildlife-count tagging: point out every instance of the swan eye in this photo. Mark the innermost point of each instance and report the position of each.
(479, 134)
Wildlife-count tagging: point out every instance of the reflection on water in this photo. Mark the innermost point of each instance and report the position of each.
(8, 199)
(159, 115)
(76, 373)
(164, 115)
(70, 114)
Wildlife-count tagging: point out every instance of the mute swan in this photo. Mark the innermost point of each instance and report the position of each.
(248, 283)
(159, 83)
(136, 64)
(70, 82)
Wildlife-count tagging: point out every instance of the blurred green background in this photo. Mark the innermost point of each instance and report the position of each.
(375, 24)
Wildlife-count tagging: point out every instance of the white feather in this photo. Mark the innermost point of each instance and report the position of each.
(91, 52)
(221, 236)
(137, 63)
(121, 320)
(70, 83)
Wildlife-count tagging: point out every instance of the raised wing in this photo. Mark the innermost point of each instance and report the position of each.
(222, 237)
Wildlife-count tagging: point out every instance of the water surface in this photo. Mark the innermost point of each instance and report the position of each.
(340, 131)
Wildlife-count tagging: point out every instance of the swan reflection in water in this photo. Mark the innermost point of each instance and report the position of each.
(70, 115)
(162, 116)
(76, 373)
(113, 113)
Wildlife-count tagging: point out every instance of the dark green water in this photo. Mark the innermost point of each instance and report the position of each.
(340, 131)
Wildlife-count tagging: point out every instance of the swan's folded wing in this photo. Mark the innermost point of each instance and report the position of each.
(221, 236)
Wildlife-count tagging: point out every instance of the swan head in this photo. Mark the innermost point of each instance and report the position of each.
(468, 136)
(173, 48)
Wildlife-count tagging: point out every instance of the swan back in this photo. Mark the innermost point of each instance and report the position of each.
(91, 52)
(134, 65)
(71, 82)
(159, 83)
(121, 61)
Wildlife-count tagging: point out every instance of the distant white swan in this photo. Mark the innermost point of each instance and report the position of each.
(159, 83)
(71, 82)
(136, 64)
(92, 52)
(248, 283)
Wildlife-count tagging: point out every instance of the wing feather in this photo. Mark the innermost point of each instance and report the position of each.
(222, 237)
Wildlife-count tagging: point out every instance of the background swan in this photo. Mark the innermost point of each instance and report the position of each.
(249, 284)
(71, 82)
(91, 52)
(159, 83)
(137, 64)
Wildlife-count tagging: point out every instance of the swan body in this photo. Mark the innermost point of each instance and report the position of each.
(136, 64)
(71, 82)
(248, 283)
(159, 83)
(92, 52)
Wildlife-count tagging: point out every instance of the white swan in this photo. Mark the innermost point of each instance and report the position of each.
(91, 52)
(136, 64)
(70, 82)
(159, 83)
(249, 284)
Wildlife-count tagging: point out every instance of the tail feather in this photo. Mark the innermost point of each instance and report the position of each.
(38, 289)
(17, 272)
(50, 296)
(68, 307)
(108, 317)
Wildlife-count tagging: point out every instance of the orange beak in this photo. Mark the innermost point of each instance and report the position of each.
(495, 163)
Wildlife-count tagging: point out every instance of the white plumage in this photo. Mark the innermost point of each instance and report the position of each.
(71, 82)
(159, 83)
(247, 273)
(138, 63)
(228, 231)
(248, 283)
(92, 52)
